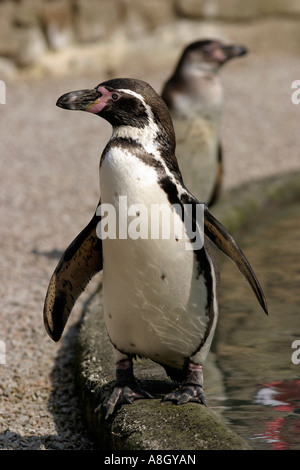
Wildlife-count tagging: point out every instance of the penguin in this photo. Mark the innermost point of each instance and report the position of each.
(159, 293)
(194, 96)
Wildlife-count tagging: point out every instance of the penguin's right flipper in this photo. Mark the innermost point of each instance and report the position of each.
(79, 263)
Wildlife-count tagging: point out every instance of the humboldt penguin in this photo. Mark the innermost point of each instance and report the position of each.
(159, 292)
(194, 95)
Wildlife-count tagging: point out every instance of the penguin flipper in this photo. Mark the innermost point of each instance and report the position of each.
(79, 263)
(220, 236)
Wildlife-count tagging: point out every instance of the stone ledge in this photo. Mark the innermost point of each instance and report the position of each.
(241, 206)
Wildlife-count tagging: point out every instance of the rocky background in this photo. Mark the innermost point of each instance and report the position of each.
(33, 33)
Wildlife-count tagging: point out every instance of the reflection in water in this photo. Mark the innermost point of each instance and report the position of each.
(261, 386)
(283, 396)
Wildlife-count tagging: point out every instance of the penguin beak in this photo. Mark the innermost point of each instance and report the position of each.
(234, 50)
(82, 100)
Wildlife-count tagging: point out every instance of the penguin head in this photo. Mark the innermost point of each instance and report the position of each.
(125, 102)
(209, 55)
(121, 101)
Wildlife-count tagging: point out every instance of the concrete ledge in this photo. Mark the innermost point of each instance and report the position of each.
(152, 424)
(242, 206)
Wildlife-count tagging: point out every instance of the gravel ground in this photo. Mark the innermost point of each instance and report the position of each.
(49, 190)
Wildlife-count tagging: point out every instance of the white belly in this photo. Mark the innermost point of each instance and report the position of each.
(154, 305)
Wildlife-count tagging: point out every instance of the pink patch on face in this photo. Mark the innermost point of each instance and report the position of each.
(215, 52)
(218, 55)
(102, 101)
(96, 106)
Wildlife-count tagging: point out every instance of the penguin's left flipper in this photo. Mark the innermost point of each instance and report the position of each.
(79, 263)
(220, 236)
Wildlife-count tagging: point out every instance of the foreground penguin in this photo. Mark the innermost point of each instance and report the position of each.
(194, 95)
(159, 294)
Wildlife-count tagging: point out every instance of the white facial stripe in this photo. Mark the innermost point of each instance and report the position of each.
(133, 93)
(139, 97)
(146, 137)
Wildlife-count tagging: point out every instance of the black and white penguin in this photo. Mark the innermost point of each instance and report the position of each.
(159, 293)
(194, 95)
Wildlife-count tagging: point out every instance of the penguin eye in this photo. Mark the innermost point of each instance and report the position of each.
(115, 97)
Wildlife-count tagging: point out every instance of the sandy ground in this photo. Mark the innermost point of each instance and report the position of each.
(49, 190)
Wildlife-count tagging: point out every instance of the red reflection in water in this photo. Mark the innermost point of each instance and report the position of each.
(284, 397)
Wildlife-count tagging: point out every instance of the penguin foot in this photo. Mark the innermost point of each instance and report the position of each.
(192, 387)
(124, 394)
(126, 389)
(187, 392)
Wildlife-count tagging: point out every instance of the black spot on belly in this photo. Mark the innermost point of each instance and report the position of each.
(132, 345)
(162, 276)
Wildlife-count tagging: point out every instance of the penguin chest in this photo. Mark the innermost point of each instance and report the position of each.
(155, 302)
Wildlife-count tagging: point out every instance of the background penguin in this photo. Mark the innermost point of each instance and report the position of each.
(160, 295)
(194, 95)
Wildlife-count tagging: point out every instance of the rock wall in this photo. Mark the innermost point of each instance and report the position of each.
(31, 28)
(28, 28)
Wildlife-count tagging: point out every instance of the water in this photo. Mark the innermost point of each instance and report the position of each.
(259, 384)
